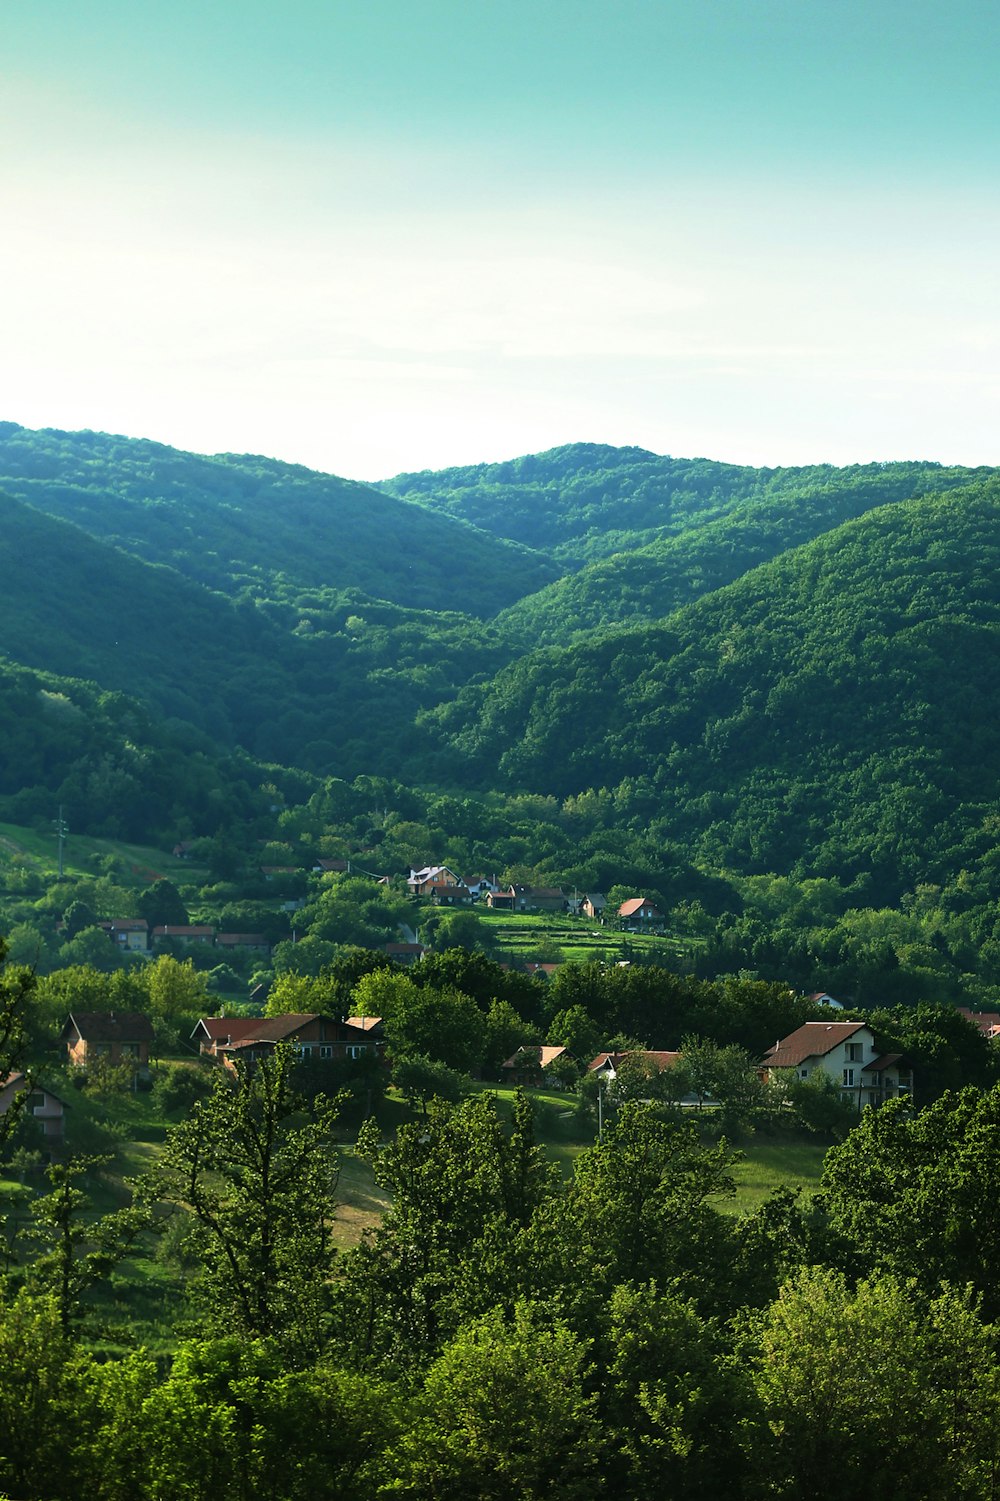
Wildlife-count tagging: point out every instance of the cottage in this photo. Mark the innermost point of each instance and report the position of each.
(184, 933)
(254, 943)
(405, 953)
(847, 1053)
(546, 898)
(420, 881)
(114, 1037)
(529, 1064)
(447, 894)
(42, 1104)
(641, 910)
(312, 1036)
(128, 933)
(593, 905)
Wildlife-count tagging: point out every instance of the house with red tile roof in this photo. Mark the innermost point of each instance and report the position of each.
(847, 1053)
(529, 1064)
(129, 933)
(184, 933)
(642, 911)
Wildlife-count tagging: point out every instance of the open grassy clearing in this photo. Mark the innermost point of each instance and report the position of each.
(135, 864)
(768, 1166)
(580, 938)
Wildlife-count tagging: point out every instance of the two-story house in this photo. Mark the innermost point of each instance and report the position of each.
(847, 1053)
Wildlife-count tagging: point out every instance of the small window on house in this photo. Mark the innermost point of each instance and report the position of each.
(805, 1073)
(848, 1076)
(854, 1052)
(326, 1051)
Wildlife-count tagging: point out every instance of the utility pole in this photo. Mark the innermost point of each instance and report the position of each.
(61, 832)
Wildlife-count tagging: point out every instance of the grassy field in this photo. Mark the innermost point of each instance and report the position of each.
(519, 933)
(36, 851)
(771, 1165)
(765, 1165)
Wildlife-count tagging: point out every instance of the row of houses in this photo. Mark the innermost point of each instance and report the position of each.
(440, 886)
(135, 936)
(844, 1051)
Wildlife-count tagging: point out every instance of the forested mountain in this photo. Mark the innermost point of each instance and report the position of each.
(582, 501)
(651, 582)
(320, 680)
(784, 671)
(831, 712)
(248, 524)
(586, 502)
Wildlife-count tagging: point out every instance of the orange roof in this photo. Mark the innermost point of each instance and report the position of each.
(633, 905)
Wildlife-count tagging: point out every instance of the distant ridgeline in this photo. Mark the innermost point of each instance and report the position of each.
(776, 670)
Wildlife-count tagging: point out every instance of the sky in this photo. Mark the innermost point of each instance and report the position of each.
(373, 236)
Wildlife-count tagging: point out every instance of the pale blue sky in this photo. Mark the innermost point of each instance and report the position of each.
(383, 235)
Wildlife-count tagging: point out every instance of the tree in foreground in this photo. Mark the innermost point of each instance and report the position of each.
(256, 1166)
(876, 1391)
(504, 1412)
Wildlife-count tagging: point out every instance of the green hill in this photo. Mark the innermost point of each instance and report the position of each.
(244, 524)
(649, 583)
(831, 712)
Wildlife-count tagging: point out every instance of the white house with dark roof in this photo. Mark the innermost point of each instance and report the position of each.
(847, 1053)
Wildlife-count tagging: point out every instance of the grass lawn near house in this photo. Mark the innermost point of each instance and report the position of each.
(768, 1165)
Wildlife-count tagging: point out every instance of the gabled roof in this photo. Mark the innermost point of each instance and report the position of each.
(811, 1040)
(110, 1026)
(887, 1060)
(363, 1023)
(661, 1059)
(271, 1029)
(220, 1028)
(634, 904)
(529, 1054)
(18, 1081)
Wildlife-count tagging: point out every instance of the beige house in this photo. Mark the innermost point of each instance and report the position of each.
(845, 1052)
(44, 1106)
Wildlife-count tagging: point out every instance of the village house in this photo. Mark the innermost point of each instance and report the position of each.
(641, 910)
(405, 953)
(419, 882)
(593, 905)
(128, 933)
(501, 901)
(845, 1052)
(312, 1036)
(42, 1104)
(546, 898)
(529, 1064)
(184, 933)
(447, 894)
(254, 943)
(114, 1037)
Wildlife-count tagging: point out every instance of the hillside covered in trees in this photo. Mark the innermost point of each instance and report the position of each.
(594, 665)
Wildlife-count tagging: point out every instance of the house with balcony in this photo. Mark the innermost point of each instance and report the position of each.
(847, 1053)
